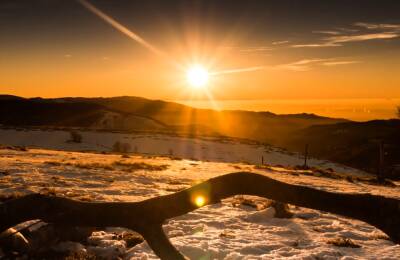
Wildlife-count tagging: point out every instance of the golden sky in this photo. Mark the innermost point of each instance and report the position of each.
(257, 49)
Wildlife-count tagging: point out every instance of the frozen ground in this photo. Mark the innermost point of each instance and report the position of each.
(220, 231)
(217, 149)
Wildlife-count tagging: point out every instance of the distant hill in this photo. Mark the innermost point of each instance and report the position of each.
(353, 143)
(261, 126)
(338, 140)
(133, 113)
(15, 111)
(23, 112)
(10, 97)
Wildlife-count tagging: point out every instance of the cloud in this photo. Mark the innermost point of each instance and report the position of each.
(362, 37)
(346, 35)
(257, 49)
(308, 64)
(372, 26)
(263, 48)
(301, 65)
(239, 70)
(297, 66)
(316, 45)
(349, 30)
(327, 32)
(279, 42)
(336, 63)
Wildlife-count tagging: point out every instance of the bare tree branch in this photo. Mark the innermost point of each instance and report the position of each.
(146, 217)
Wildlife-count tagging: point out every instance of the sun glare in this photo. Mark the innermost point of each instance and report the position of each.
(199, 201)
(197, 76)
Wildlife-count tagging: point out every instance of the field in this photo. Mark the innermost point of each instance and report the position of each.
(238, 228)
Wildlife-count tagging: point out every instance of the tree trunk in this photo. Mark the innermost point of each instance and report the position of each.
(146, 217)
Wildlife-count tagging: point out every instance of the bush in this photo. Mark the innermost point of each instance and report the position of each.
(121, 147)
(343, 242)
(75, 137)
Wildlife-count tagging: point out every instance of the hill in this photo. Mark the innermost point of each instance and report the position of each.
(339, 140)
(133, 113)
(353, 143)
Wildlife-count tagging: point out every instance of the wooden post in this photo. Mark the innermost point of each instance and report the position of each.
(381, 161)
(305, 155)
(262, 159)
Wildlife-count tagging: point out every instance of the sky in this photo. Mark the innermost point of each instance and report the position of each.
(254, 50)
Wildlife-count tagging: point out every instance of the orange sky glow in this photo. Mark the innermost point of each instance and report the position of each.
(103, 58)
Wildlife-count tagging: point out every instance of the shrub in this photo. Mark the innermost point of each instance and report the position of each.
(130, 167)
(343, 242)
(121, 147)
(75, 137)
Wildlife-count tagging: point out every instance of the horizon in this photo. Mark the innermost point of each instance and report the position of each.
(350, 109)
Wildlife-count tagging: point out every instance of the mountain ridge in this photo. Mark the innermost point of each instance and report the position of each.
(339, 140)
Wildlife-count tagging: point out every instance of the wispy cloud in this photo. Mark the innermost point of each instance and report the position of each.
(316, 45)
(373, 26)
(264, 48)
(349, 30)
(362, 37)
(371, 32)
(328, 32)
(336, 63)
(301, 65)
(297, 66)
(239, 70)
(279, 42)
(257, 49)
(308, 64)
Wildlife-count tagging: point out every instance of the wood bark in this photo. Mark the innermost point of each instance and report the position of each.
(146, 217)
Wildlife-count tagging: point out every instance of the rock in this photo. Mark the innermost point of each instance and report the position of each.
(281, 209)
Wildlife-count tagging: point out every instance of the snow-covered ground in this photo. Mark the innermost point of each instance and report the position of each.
(217, 149)
(220, 231)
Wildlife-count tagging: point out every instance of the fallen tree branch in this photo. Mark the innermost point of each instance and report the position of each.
(146, 217)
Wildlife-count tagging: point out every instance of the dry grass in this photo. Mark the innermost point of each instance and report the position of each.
(117, 165)
(102, 166)
(343, 242)
(15, 148)
(130, 167)
(263, 167)
(10, 196)
(53, 163)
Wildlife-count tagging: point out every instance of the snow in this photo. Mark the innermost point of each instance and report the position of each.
(220, 231)
(216, 149)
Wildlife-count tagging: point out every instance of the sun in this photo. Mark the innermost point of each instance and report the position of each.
(197, 76)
